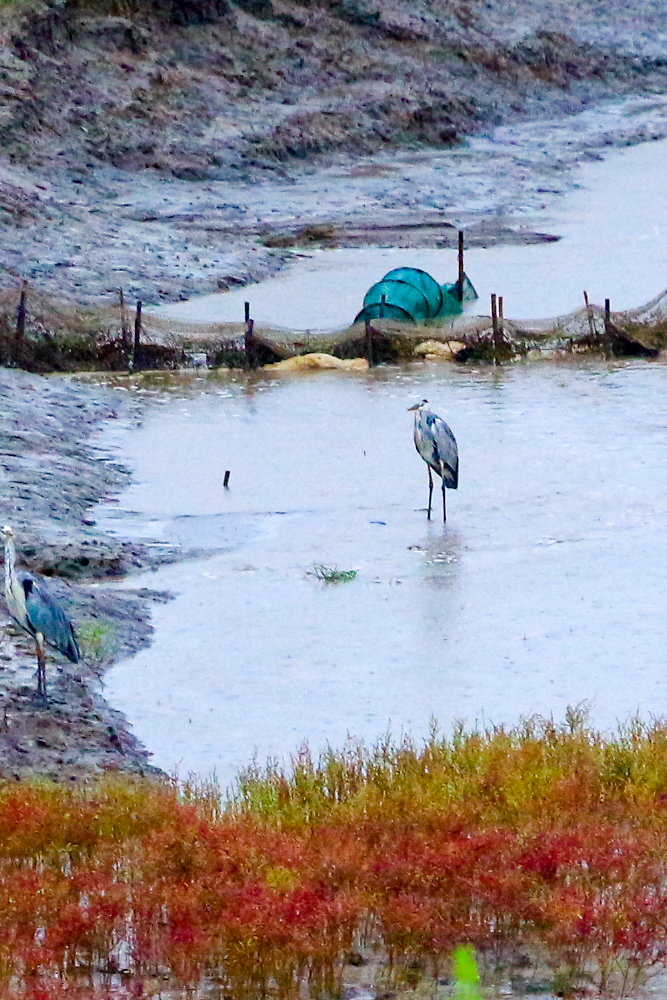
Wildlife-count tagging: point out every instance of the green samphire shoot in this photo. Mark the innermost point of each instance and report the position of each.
(466, 976)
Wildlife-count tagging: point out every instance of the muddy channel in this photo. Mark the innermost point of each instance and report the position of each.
(543, 590)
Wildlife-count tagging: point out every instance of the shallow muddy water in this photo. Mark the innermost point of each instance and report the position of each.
(613, 243)
(545, 588)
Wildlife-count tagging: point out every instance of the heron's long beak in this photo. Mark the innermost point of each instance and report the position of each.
(415, 407)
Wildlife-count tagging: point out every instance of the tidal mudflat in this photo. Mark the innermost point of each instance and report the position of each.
(607, 214)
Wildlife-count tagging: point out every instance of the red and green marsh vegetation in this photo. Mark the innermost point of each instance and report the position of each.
(544, 848)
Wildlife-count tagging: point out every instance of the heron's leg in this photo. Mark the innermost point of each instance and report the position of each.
(444, 502)
(430, 491)
(41, 666)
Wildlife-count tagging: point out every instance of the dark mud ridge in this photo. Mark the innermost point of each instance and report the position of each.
(51, 477)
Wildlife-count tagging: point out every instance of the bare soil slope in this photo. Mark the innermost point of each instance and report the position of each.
(207, 89)
(151, 143)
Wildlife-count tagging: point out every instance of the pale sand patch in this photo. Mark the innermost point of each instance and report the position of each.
(439, 349)
(305, 362)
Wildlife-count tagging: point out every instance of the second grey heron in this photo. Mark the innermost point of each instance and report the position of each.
(437, 446)
(32, 605)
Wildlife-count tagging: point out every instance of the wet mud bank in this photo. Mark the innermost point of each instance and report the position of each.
(51, 475)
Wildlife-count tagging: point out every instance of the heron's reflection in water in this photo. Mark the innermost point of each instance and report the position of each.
(441, 557)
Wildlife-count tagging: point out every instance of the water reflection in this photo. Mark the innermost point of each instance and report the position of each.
(441, 559)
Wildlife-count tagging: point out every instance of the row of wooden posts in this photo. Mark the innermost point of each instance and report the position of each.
(498, 319)
(251, 342)
(131, 344)
(133, 348)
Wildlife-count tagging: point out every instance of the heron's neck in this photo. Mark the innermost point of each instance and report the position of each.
(10, 559)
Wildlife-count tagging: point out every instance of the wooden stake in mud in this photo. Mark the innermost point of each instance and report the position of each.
(124, 325)
(383, 302)
(607, 329)
(501, 317)
(369, 343)
(459, 283)
(20, 326)
(494, 324)
(589, 315)
(225, 481)
(250, 357)
(136, 354)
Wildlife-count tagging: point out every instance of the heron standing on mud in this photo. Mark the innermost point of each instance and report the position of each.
(33, 606)
(437, 446)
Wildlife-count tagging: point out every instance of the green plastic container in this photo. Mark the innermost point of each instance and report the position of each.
(451, 305)
(427, 285)
(413, 296)
(401, 301)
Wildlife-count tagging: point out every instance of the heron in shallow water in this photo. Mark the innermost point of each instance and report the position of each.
(437, 446)
(33, 606)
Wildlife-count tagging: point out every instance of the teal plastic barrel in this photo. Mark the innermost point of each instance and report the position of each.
(422, 280)
(413, 296)
(451, 304)
(402, 301)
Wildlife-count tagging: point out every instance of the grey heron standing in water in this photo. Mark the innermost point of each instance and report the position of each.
(33, 606)
(437, 446)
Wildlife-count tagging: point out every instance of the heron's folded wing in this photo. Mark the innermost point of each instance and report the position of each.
(46, 616)
(446, 448)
